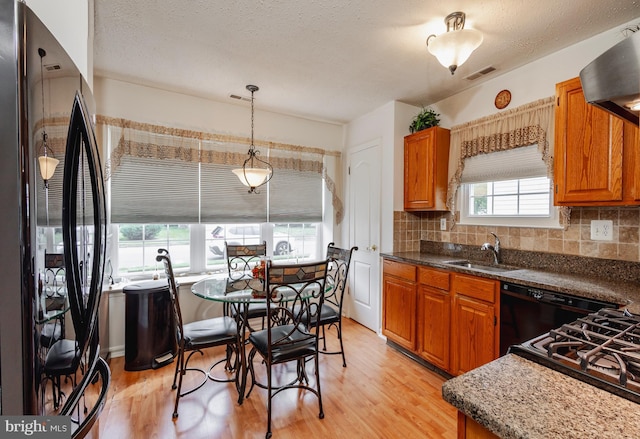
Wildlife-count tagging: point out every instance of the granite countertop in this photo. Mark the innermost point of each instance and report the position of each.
(623, 293)
(516, 398)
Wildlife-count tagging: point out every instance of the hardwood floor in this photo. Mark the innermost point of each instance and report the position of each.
(380, 394)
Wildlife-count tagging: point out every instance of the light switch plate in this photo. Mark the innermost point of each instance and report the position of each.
(443, 224)
(602, 230)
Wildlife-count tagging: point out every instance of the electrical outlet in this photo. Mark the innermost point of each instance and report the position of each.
(602, 230)
(443, 224)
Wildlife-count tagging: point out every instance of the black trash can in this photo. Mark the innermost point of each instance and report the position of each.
(150, 340)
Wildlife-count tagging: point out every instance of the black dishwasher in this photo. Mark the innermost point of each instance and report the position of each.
(526, 312)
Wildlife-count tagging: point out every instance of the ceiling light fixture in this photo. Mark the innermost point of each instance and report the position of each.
(455, 46)
(47, 164)
(249, 174)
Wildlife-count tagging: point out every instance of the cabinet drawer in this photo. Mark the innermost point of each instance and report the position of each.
(434, 278)
(405, 271)
(478, 288)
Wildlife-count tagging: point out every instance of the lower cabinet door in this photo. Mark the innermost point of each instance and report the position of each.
(434, 311)
(474, 333)
(399, 315)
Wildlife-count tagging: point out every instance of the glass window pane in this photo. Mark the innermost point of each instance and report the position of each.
(479, 206)
(505, 187)
(138, 246)
(534, 204)
(529, 185)
(479, 189)
(505, 205)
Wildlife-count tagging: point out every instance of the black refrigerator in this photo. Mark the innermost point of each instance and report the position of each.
(47, 110)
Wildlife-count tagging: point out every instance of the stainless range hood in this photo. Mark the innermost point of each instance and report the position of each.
(612, 81)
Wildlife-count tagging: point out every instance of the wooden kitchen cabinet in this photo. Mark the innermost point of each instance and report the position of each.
(434, 316)
(399, 303)
(470, 429)
(596, 154)
(474, 329)
(426, 167)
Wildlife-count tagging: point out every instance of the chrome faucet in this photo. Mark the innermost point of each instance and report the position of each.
(495, 248)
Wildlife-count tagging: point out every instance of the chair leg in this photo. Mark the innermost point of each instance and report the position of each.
(178, 362)
(268, 435)
(317, 363)
(324, 339)
(179, 387)
(251, 371)
(339, 328)
(179, 370)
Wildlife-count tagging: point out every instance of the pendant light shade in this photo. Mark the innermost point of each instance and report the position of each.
(254, 172)
(47, 166)
(455, 46)
(252, 177)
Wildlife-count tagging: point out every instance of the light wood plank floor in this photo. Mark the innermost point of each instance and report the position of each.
(380, 394)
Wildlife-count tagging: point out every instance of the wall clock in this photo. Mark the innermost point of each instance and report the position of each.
(502, 99)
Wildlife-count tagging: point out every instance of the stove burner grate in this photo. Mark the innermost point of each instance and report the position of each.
(602, 348)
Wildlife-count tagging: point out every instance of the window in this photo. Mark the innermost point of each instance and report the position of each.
(196, 204)
(138, 246)
(523, 197)
(509, 188)
(197, 248)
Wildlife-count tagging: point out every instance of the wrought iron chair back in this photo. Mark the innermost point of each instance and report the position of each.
(242, 258)
(337, 277)
(294, 296)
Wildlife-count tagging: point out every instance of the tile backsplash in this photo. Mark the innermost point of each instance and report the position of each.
(409, 228)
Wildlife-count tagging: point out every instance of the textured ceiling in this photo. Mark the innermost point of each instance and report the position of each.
(328, 59)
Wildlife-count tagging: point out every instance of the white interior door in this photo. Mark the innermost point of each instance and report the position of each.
(364, 231)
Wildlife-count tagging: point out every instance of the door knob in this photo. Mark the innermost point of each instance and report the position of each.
(372, 248)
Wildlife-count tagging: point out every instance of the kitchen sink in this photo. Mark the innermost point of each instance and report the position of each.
(483, 267)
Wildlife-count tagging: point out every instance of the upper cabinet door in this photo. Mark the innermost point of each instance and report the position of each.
(426, 165)
(588, 149)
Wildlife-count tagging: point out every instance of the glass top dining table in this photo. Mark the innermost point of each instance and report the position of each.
(240, 293)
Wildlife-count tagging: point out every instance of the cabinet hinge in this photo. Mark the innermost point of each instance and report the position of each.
(495, 320)
(556, 189)
(558, 101)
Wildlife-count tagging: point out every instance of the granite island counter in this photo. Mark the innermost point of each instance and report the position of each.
(516, 398)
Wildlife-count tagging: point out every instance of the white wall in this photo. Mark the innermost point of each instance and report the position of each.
(387, 125)
(71, 22)
(152, 105)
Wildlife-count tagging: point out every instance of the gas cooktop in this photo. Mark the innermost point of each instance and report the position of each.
(602, 349)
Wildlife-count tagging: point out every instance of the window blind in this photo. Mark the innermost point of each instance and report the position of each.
(174, 180)
(295, 197)
(225, 200)
(155, 180)
(522, 162)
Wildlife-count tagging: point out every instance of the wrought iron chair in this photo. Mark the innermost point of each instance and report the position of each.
(331, 313)
(62, 360)
(292, 331)
(241, 259)
(195, 336)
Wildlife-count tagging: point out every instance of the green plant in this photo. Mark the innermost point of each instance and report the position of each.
(427, 118)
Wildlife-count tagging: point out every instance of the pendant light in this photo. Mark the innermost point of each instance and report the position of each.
(47, 163)
(254, 172)
(455, 46)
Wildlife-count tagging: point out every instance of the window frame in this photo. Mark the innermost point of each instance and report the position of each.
(198, 251)
(550, 221)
